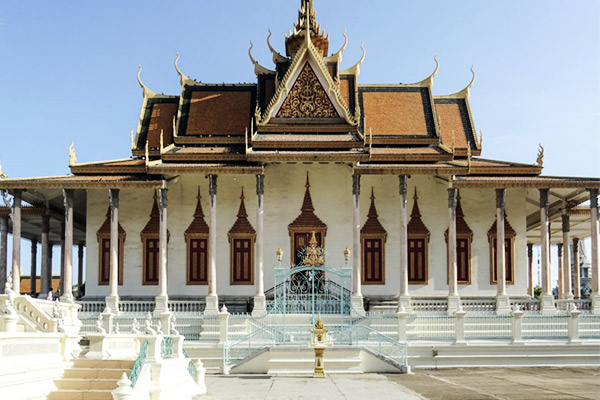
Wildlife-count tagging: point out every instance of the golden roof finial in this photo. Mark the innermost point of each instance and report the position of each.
(279, 253)
(319, 323)
(132, 141)
(72, 157)
(540, 156)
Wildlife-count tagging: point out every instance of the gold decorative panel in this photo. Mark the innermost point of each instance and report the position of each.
(307, 98)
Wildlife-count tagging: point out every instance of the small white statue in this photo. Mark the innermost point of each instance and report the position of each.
(174, 331)
(148, 329)
(135, 327)
(50, 296)
(99, 327)
(159, 328)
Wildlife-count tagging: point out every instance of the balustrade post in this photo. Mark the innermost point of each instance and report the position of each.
(107, 320)
(124, 391)
(165, 321)
(402, 325)
(574, 326)
(153, 354)
(517, 326)
(223, 326)
(200, 376)
(459, 326)
(178, 346)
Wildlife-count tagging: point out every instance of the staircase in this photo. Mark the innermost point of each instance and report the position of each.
(90, 380)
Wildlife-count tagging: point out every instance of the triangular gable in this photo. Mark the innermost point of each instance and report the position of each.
(307, 99)
(307, 60)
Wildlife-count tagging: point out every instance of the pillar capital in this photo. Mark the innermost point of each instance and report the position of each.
(403, 185)
(544, 198)
(68, 197)
(212, 184)
(356, 185)
(501, 198)
(260, 184)
(559, 247)
(162, 197)
(451, 198)
(17, 195)
(113, 195)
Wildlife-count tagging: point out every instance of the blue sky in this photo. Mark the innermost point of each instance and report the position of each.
(68, 69)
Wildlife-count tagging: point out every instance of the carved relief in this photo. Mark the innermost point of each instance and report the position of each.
(307, 98)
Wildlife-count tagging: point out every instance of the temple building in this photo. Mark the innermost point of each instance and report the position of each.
(221, 176)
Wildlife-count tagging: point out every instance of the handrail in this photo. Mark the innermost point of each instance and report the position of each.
(244, 350)
(396, 354)
(166, 346)
(139, 364)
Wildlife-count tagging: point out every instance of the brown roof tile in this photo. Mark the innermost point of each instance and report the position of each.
(219, 113)
(451, 125)
(161, 119)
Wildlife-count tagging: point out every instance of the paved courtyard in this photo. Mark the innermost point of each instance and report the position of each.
(449, 384)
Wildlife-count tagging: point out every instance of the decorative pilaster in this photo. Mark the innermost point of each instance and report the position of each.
(162, 300)
(357, 297)
(67, 294)
(547, 300)
(453, 298)
(595, 295)
(16, 251)
(112, 300)
(260, 306)
(530, 269)
(404, 297)
(212, 299)
(3, 249)
(33, 285)
(576, 270)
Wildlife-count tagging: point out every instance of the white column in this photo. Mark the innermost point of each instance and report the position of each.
(559, 251)
(79, 269)
(3, 250)
(112, 300)
(547, 300)
(33, 266)
(260, 306)
(212, 299)
(67, 294)
(404, 298)
(502, 301)
(162, 300)
(595, 295)
(576, 281)
(45, 276)
(453, 298)
(530, 269)
(357, 297)
(16, 251)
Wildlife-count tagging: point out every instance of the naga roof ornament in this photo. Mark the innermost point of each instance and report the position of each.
(277, 57)
(147, 92)
(466, 92)
(183, 79)
(258, 69)
(337, 56)
(355, 69)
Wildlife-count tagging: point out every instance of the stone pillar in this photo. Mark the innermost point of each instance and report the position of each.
(547, 300)
(567, 286)
(162, 300)
(404, 298)
(3, 250)
(260, 306)
(357, 297)
(67, 294)
(112, 300)
(595, 295)
(46, 273)
(212, 299)
(61, 283)
(79, 269)
(530, 268)
(502, 301)
(50, 253)
(576, 270)
(453, 298)
(33, 281)
(16, 250)
(559, 253)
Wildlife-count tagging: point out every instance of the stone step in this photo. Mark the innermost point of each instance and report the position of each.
(66, 394)
(114, 364)
(96, 373)
(96, 384)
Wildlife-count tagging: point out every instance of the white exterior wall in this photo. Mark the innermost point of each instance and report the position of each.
(331, 190)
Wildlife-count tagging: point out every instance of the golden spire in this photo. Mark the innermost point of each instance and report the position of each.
(72, 157)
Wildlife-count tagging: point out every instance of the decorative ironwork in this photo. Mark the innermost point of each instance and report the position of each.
(166, 347)
(139, 364)
(307, 98)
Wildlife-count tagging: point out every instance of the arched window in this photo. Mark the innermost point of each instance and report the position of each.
(372, 240)
(418, 243)
(103, 236)
(464, 237)
(150, 246)
(241, 242)
(509, 260)
(196, 239)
